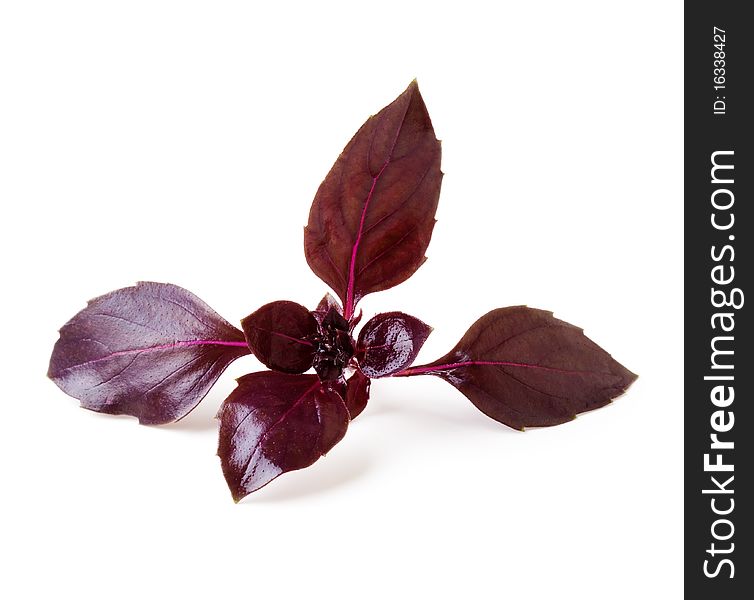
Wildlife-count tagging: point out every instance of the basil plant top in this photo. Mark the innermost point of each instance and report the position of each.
(154, 350)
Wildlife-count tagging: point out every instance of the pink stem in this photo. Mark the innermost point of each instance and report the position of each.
(469, 363)
(350, 305)
(181, 344)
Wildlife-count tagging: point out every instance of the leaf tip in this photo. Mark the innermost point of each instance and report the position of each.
(626, 378)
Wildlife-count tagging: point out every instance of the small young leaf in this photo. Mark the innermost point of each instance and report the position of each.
(357, 393)
(324, 306)
(152, 351)
(273, 423)
(281, 335)
(334, 321)
(373, 215)
(389, 342)
(335, 347)
(525, 368)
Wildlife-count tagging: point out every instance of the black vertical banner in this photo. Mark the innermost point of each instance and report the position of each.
(718, 395)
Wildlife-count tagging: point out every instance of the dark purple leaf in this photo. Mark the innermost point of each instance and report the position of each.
(152, 351)
(335, 321)
(373, 215)
(525, 368)
(357, 393)
(282, 335)
(324, 306)
(338, 385)
(389, 342)
(273, 423)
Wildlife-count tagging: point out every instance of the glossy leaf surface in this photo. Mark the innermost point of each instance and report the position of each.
(282, 336)
(357, 393)
(373, 215)
(389, 342)
(273, 423)
(152, 351)
(525, 368)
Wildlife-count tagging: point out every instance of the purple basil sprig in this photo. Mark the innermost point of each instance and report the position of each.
(154, 350)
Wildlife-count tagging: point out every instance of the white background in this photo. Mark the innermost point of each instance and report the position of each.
(183, 142)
